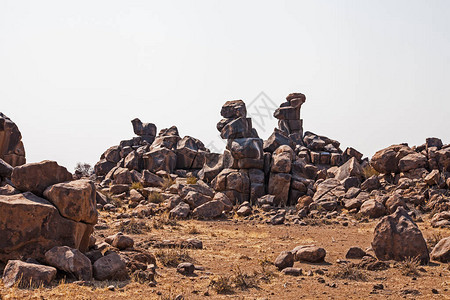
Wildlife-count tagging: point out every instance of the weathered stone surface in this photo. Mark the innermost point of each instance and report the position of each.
(234, 109)
(443, 159)
(432, 178)
(160, 159)
(276, 139)
(209, 210)
(195, 199)
(387, 160)
(29, 226)
(279, 184)
(350, 169)
(246, 148)
(371, 183)
(122, 176)
(292, 271)
(284, 260)
(282, 159)
(75, 200)
(102, 167)
(27, 274)
(373, 209)
(5, 169)
(329, 190)
(355, 253)
(441, 252)
(120, 241)
(11, 146)
(441, 219)
(309, 253)
(181, 211)
(110, 267)
(237, 128)
(149, 179)
(71, 261)
(186, 268)
(412, 161)
(393, 202)
(36, 177)
(244, 211)
(397, 237)
(143, 129)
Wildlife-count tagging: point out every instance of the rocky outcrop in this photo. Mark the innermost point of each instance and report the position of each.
(31, 225)
(27, 275)
(11, 146)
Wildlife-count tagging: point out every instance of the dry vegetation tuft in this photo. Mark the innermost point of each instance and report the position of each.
(172, 257)
(348, 271)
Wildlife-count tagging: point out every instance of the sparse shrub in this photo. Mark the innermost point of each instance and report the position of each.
(163, 220)
(84, 169)
(155, 197)
(410, 266)
(222, 285)
(134, 227)
(136, 186)
(173, 257)
(191, 180)
(115, 201)
(193, 230)
(434, 239)
(167, 182)
(348, 271)
(369, 171)
(266, 274)
(242, 280)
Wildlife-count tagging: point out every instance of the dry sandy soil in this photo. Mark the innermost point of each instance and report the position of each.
(239, 252)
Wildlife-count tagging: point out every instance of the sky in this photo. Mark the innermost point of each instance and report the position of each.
(74, 73)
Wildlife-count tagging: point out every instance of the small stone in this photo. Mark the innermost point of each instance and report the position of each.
(186, 268)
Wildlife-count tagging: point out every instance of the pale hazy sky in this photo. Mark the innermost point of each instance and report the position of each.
(74, 73)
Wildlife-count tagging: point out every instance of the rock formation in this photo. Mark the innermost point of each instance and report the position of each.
(11, 146)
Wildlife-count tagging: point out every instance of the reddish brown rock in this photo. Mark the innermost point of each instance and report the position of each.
(71, 261)
(397, 237)
(36, 177)
(75, 200)
(30, 225)
(27, 275)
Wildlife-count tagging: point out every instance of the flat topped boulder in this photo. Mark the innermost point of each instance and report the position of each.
(296, 96)
(234, 109)
(30, 225)
(36, 177)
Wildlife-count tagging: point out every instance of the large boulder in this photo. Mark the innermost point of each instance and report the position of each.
(71, 261)
(279, 184)
(441, 252)
(397, 237)
(309, 253)
(234, 109)
(11, 146)
(30, 225)
(5, 169)
(36, 177)
(350, 169)
(27, 275)
(110, 267)
(282, 159)
(160, 159)
(143, 129)
(386, 160)
(412, 161)
(75, 200)
(209, 210)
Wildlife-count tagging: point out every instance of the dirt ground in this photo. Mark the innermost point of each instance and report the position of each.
(238, 253)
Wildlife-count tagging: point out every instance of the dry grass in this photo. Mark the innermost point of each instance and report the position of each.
(222, 285)
(167, 182)
(409, 267)
(349, 272)
(163, 220)
(134, 227)
(369, 171)
(155, 197)
(173, 257)
(434, 238)
(191, 180)
(193, 230)
(136, 186)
